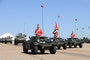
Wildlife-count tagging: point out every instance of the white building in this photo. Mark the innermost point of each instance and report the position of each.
(7, 35)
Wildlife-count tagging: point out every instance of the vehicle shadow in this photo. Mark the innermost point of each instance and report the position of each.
(67, 48)
(38, 53)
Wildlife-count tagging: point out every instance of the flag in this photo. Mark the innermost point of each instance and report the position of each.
(58, 16)
(42, 6)
(75, 19)
(77, 28)
(56, 27)
(83, 28)
(88, 27)
(38, 25)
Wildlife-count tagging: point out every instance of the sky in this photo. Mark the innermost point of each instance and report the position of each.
(22, 16)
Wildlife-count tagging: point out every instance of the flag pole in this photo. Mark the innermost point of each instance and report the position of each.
(59, 25)
(24, 27)
(88, 32)
(42, 19)
(83, 32)
(75, 27)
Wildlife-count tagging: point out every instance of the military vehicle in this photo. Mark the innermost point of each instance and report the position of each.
(75, 42)
(39, 43)
(6, 40)
(20, 38)
(86, 40)
(1, 40)
(60, 42)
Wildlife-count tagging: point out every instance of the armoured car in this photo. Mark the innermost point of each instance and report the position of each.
(75, 42)
(20, 38)
(6, 40)
(60, 42)
(39, 43)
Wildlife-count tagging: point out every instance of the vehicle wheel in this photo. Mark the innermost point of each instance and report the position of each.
(65, 46)
(53, 50)
(5, 42)
(70, 45)
(10, 42)
(75, 46)
(24, 49)
(59, 47)
(15, 43)
(34, 49)
(80, 45)
(42, 51)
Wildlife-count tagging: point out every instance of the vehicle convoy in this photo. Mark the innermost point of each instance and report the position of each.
(39, 43)
(6, 40)
(60, 42)
(75, 42)
(20, 38)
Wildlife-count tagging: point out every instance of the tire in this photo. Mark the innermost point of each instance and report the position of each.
(70, 45)
(34, 49)
(15, 43)
(59, 47)
(75, 46)
(24, 49)
(42, 51)
(53, 50)
(10, 42)
(5, 42)
(80, 45)
(65, 46)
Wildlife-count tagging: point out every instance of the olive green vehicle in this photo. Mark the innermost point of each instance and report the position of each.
(2, 40)
(86, 40)
(6, 40)
(39, 43)
(60, 42)
(75, 42)
(20, 38)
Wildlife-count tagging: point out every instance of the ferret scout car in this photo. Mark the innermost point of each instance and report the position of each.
(75, 42)
(20, 38)
(6, 40)
(39, 43)
(60, 42)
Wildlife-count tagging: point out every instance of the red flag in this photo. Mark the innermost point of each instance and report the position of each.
(58, 16)
(83, 28)
(38, 25)
(77, 28)
(75, 19)
(56, 27)
(42, 6)
(88, 27)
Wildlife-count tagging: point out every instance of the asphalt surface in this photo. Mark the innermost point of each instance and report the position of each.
(12, 52)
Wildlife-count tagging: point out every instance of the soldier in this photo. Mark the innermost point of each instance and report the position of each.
(38, 31)
(55, 33)
(72, 35)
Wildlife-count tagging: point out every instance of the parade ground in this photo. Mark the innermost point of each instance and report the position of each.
(12, 52)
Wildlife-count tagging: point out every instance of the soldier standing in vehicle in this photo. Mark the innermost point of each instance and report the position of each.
(72, 35)
(38, 31)
(55, 34)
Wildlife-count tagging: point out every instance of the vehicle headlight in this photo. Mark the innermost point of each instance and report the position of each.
(38, 40)
(51, 40)
(63, 39)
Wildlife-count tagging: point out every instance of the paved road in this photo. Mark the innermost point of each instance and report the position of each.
(11, 52)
